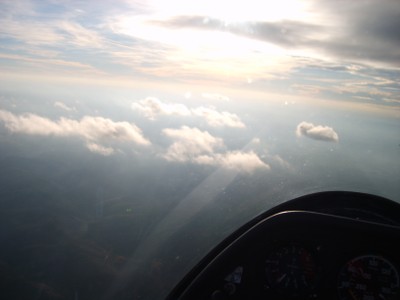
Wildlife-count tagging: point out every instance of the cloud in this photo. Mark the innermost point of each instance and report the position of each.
(64, 106)
(241, 161)
(49, 62)
(216, 119)
(190, 143)
(367, 38)
(27, 23)
(317, 132)
(152, 107)
(92, 129)
(283, 33)
(200, 147)
(348, 31)
(99, 149)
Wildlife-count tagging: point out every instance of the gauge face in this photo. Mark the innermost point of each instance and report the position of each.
(291, 270)
(368, 277)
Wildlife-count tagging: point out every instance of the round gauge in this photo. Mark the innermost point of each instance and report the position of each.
(291, 270)
(368, 277)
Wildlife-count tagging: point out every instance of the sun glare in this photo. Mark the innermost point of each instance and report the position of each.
(234, 11)
(215, 51)
(208, 51)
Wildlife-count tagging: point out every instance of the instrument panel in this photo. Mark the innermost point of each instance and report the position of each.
(302, 255)
(294, 272)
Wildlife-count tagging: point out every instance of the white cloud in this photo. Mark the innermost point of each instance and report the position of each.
(30, 124)
(317, 132)
(190, 143)
(241, 161)
(50, 62)
(64, 106)
(205, 160)
(153, 107)
(99, 149)
(99, 128)
(215, 118)
(200, 147)
(92, 129)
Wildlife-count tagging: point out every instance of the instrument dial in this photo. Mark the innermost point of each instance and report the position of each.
(291, 270)
(368, 277)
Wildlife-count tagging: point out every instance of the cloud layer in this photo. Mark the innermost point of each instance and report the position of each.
(99, 134)
(317, 132)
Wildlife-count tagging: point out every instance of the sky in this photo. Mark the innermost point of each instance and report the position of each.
(343, 51)
(186, 81)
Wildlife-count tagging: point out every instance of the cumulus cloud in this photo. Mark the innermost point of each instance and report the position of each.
(200, 147)
(241, 161)
(92, 129)
(317, 132)
(153, 107)
(216, 119)
(190, 143)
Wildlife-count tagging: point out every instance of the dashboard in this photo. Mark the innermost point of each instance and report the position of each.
(331, 245)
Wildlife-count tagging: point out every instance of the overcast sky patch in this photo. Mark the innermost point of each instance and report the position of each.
(370, 35)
